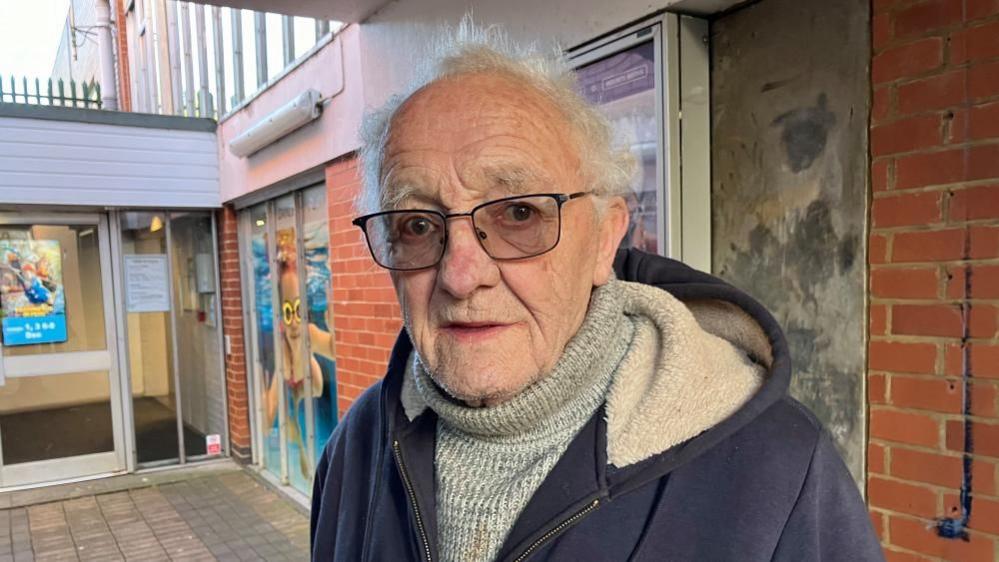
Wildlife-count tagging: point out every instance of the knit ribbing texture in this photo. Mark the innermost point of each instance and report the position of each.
(490, 461)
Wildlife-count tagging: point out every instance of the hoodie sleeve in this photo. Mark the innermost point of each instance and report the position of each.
(829, 520)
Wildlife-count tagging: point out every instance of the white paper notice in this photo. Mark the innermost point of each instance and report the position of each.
(146, 285)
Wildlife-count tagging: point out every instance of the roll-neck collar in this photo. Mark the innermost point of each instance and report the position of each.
(582, 372)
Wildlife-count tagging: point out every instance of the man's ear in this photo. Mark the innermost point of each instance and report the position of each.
(612, 228)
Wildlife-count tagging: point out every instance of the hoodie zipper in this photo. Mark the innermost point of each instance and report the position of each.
(558, 529)
(397, 452)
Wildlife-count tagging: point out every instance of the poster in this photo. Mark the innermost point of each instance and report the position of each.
(32, 299)
(147, 287)
(623, 86)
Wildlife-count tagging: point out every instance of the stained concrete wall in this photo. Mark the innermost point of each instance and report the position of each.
(789, 189)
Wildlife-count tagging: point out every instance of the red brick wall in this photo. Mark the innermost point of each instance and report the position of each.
(934, 285)
(232, 327)
(366, 316)
(121, 43)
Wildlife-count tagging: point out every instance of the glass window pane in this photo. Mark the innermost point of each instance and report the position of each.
(262, 315)
(623, 85)
(54, 416)
(54, 271)
(305, 35)
(275, 45)
(202, 397)
(150, 351)
(300, 376)
(315, 236)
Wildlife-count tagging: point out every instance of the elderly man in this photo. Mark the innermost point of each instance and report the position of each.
(543, 401)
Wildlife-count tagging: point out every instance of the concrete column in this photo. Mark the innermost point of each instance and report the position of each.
(288, 38)
(219, 59)
(260, 30)
(205, 103)
(322, 29)
(238, 86)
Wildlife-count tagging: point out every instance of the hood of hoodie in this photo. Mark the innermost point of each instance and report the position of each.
(706, 360)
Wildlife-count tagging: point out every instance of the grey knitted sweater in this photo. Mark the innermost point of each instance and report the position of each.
(490, 461)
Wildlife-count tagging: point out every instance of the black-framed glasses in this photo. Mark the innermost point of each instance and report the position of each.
(291, 310)
(511, 228)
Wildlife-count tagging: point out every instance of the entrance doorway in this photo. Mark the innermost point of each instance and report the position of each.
(60, 390)
(171, 323)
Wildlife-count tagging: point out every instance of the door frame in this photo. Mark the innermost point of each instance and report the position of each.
(254, 371)
(82, 466)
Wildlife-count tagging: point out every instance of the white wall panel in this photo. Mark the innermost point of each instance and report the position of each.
(71, 162)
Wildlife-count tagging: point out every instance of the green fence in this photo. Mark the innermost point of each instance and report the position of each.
(50, 93)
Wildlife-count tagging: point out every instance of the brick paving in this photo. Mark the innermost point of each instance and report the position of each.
(226, 516)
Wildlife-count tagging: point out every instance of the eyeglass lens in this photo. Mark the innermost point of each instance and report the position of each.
(507, 229)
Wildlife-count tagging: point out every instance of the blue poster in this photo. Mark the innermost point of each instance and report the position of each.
(32, 301)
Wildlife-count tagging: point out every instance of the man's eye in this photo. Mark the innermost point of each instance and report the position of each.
(417, 226)
(520, 212)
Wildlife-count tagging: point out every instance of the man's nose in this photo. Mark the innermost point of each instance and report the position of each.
(465, 266)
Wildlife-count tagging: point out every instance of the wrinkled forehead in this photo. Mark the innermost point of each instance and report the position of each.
(482, 133)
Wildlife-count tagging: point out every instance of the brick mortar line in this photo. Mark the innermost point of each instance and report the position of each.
(905, 515)
(989, 421)
(935, 489)
(938, 148)
(941, 112)
(941, 263)
(940, 226)
(924, 376)
(916, 338)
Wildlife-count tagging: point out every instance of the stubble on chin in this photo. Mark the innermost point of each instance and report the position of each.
(451, 379)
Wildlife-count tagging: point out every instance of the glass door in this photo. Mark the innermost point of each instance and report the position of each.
(60, 406)
(173, 340)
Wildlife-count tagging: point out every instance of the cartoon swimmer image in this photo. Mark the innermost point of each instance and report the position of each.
(36, 286)
(295, 368)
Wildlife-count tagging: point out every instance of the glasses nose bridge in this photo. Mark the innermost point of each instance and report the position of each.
(449, 216)
(476, 233)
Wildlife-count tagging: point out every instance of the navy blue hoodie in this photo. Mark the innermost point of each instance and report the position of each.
(764, 484)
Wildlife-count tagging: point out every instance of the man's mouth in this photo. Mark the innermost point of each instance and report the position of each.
(472, 331)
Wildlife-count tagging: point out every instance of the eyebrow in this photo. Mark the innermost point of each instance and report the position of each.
(516, 180)
(512, 180)
(394, 194)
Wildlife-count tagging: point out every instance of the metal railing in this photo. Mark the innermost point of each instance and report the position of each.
(56, 93)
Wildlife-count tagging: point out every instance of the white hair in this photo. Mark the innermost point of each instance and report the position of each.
(472, 49)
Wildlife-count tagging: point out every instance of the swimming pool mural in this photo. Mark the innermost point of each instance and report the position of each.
(309, 384)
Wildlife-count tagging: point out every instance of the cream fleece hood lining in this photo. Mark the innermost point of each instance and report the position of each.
(688, 367)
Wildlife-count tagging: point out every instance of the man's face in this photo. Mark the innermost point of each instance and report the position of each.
(488, 329)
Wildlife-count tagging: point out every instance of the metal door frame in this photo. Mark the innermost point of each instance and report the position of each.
(96, 464)
(255, 386)
(131, 450)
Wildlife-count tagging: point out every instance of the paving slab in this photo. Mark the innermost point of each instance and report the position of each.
(220, 512)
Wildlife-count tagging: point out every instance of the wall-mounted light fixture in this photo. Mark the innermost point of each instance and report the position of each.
(306, 107)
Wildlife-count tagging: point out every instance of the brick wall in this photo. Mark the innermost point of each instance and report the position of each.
(934, 277)
(232, 326)
(366, 316)
(121, 44)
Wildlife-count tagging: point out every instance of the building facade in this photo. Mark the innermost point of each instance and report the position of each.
(837, 161)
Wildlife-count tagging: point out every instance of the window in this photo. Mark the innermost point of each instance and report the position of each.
(638, 77)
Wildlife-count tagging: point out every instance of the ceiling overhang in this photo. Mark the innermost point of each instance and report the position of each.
(352, 11)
